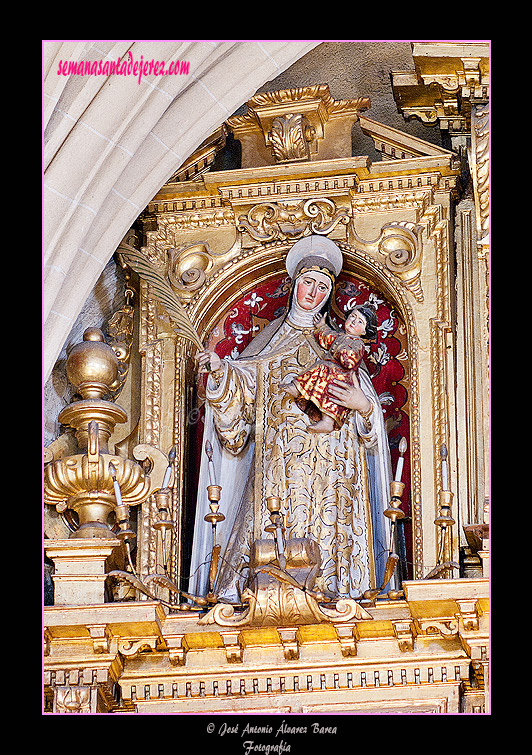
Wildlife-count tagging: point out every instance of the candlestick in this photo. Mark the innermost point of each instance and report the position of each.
(394, 513)
(445, 521)
(401, 461)
(273, 504)
(214, 491)
(163, 522)
(125, 533)
(171, 459)
(208, 451)
(444, 471)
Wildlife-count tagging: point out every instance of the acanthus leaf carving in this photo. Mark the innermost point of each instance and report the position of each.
(73, 699)
(290, 136)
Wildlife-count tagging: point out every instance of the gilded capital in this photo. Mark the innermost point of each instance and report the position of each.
(299, 124)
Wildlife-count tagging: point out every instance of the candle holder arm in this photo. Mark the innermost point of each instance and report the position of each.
(158, 463)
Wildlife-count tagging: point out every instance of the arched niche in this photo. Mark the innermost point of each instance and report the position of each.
(419, 289)
(255, 269)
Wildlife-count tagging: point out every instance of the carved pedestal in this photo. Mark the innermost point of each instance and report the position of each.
(427, 653)
(80, 572)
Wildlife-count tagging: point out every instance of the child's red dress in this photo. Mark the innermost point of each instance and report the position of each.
(344, 354)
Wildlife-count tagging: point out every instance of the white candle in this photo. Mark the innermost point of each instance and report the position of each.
(208, 451)
(171, 457)
(401, 460)
(166, 478)
(444, 471)
(444, 476)
(116, 486)
(399, 470)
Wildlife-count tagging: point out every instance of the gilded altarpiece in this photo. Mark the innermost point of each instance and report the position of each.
(222, 240)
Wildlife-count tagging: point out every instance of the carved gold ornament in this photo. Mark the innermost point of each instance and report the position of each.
(280, 596)
(291, 123)
(480, 166)
(290, 136)
(272, 221)
(162, 291)
(95, 483)
(399, 247)
(447, 79)
(281, 587)
(188, 267)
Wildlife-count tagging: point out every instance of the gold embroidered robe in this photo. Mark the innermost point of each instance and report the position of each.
(326, 481)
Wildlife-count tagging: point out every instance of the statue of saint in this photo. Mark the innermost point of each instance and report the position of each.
(334, 486)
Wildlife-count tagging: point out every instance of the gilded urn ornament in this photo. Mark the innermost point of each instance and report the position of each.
(92, 365)
(94, 483)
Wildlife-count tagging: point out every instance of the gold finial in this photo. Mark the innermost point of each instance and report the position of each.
(92, 365)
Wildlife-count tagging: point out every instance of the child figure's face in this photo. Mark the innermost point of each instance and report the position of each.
(355, 324)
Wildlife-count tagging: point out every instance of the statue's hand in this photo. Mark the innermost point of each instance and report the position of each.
(318, 320)
(209, 361)
(350, 396)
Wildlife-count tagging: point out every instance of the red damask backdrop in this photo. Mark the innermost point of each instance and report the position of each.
(386, 360)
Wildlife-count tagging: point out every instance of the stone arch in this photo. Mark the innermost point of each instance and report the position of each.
(111, 142)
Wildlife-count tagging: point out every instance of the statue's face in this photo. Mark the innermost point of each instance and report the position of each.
(312, 290)
(355, 324)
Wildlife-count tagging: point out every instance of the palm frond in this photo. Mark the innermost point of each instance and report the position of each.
(162, 291)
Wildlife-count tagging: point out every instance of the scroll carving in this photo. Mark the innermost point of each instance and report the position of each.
(405, 634)
(400, 246)
(445, 627)
(271, 602)
(132, 647)
(188, 266)
(269, 221)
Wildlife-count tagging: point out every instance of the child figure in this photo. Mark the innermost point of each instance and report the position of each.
(344, 354)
